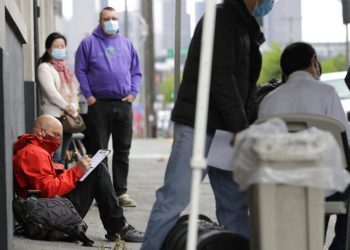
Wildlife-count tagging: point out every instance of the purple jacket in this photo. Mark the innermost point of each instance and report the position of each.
(107, 67)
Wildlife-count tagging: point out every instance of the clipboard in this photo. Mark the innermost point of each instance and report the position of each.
(96, 159)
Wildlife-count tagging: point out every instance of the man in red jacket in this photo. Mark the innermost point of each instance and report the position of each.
(34, 169)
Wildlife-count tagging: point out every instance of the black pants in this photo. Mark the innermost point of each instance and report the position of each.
(98, 185)
(107, 117)
(86, 140)
(338, 242)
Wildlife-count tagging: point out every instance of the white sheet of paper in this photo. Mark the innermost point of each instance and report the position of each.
(96, 159)
(220, 152)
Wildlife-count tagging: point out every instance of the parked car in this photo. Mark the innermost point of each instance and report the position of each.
(336, 79)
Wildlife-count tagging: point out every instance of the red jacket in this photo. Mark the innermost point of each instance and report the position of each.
(33, 168)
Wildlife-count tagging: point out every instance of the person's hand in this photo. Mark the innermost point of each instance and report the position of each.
(84, 163)
(232, 141)
(70, 109)
(129, 98)
(90, 100)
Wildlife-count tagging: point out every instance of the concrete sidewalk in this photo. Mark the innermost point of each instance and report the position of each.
(147, 165)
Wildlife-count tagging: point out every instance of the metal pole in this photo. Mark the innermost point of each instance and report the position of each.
(126, 20)
(36, 15)
(347, 46)
(150, 116)
(198, 161)
(177, 47)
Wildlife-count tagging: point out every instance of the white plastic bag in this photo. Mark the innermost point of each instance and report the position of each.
(267, 153)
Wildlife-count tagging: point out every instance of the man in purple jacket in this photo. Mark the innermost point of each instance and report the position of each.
(108, 69)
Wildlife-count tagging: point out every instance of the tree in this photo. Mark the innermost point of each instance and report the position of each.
(271, 64)
(333, 64)
(167, 88)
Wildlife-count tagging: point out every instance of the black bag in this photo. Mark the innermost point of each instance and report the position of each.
(72, 124)
(210, 236)
(49, 219)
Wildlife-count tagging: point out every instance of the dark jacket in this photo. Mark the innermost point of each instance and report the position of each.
(235, 69)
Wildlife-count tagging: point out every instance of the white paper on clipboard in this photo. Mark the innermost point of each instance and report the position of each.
(96, 159)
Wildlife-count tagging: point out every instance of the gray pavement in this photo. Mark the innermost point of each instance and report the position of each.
(147, 165)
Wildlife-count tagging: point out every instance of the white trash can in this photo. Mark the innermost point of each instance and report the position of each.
(285, 217)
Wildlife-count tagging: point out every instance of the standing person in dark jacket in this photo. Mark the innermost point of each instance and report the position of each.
(232, 107)
(108, 69)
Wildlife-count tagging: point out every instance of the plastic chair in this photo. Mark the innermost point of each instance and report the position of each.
(300, 121)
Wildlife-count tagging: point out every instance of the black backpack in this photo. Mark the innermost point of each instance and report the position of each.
(49, 219)
(210, 236)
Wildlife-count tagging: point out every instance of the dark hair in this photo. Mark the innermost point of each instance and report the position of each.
(48, 43)
(106, 8)
(296, 56)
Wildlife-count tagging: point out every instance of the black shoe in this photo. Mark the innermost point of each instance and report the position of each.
(128, 234)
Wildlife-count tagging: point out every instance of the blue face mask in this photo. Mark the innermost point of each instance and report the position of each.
(263, 9)
(58, 54)
(111, 27)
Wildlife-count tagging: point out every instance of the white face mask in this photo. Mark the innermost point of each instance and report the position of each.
(111, 27)
(58, 54)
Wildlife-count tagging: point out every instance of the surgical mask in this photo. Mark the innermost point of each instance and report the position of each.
(50, 143)
(58, 54)
(111, 27)
(263, 9)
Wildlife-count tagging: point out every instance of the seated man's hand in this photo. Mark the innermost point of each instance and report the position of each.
(84, 163)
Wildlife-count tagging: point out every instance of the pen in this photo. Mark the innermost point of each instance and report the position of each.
(78, 155)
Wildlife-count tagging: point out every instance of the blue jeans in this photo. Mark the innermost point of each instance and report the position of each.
(174, 195)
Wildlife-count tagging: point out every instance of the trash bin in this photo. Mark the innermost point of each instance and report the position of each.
(287, 217)
(285, 175)
(211, 236)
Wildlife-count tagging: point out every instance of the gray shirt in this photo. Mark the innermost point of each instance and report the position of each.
(302, 93)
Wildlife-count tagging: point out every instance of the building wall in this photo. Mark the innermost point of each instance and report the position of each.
(283, 23)
(12, 120)
(17, 89)
(79, 26)
(164, 26)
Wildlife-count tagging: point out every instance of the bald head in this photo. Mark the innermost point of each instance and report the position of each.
(49, 124)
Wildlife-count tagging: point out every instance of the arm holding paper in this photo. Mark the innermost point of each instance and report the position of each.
(84, 162)
(95, 160)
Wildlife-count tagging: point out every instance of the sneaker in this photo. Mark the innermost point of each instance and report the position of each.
(128, 234)
(126, 201)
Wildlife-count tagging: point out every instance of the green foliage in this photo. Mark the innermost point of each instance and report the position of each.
(333, 64)
(167, 88)
(271, 64)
